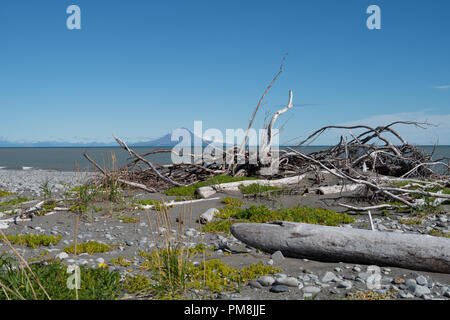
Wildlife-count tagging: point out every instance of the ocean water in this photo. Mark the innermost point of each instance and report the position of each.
(71, 159)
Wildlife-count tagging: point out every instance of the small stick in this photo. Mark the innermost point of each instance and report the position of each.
(371, 222)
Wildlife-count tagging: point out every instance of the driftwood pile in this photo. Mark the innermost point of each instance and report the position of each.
(368, 159)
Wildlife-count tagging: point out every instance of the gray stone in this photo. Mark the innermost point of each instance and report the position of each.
(328, 276)
(62, 255)
(278, 288)
(255, 284)
(266, 281)
(356, 269)
(421, 280)
(364, 276)
(287, 281)
(411, 285)
(277, 255)
(421, 290)
(404, 295)
(345, 285)
(311, 289)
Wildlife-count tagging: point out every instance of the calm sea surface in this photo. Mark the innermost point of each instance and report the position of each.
(70, 159)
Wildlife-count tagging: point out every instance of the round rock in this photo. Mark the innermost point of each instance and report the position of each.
(287, 281)
(266, 281)
(311, 289)
(278, 288)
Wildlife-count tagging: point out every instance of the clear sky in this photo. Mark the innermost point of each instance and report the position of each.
(140, 68)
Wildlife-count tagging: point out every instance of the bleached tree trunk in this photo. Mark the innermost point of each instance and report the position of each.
(336, 244)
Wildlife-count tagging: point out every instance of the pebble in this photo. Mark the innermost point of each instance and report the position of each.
(266, 281)
(406, 295)
(328, 276)
(345, 285)
(421, 290)
(277, 255)
(278, 288)
(287, 281)
(356, 269)
(398, 281)
(421, 280)
(411, 285)
(62, 255)
(311, 289)
(100, 260)
(255, 284)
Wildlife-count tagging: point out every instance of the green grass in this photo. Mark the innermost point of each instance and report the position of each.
(255, 188)
(14, 202)
(95, 284)
(232, 202)
(189, 191)
(6, 193)
(173, 273)
(126, 219)
(34, 240)
(46, 189)
(438, 233)
(411, 221)
(157, 205)
(89, 247)
(261, 214)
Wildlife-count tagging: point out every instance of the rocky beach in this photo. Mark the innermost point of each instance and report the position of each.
(125, 227)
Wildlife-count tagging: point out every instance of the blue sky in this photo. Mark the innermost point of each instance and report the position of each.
(139, 69)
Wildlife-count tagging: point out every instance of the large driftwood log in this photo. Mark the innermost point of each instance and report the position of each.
(208, 191)
(335, 244)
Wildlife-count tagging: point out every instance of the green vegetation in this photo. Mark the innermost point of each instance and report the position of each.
(137, 284)
(232, 202)
(411, 221)
(372, 295)
(20, 284)
(174, 273)
(33, 240)
(261, 214)
(6, 193)
(256, 188)
(189, 191)
(438, 233)
(121, 261)
(126, 219)
(14, 202)
(89, 247)
(157, 205)
(46, 189)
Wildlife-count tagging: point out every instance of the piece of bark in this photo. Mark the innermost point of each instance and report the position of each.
(339, 188)
(336, 244)
(208, 215)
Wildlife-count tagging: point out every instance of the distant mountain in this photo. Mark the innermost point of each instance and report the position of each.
(53, 144)
(166, 141)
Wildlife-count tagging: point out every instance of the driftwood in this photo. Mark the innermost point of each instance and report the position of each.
(366, 157)
(208, 215)
(336, 244)
(208, 191)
